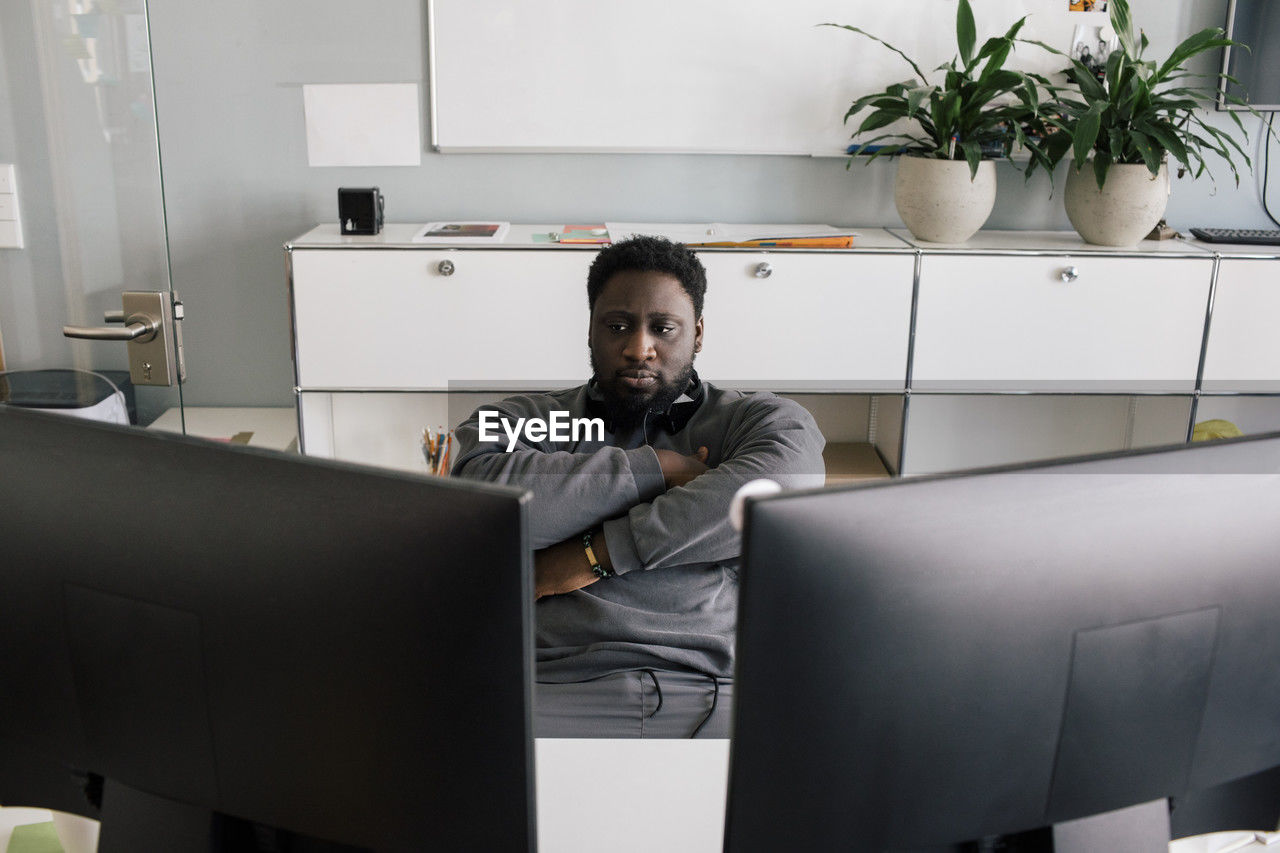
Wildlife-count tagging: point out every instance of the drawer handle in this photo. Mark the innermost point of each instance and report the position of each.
(1069, 274)
(763, 270)
(445, 268)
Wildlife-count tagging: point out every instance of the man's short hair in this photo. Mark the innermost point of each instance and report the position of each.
(649, 254)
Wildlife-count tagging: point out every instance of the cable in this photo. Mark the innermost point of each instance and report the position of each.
(715, 697)
(1266, 168)
(657, 687)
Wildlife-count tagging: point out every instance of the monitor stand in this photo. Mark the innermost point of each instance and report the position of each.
(1142, 828)
(1136, 829)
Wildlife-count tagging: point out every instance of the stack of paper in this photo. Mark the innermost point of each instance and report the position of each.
(589, 234)
(720, 234)
(462, 232)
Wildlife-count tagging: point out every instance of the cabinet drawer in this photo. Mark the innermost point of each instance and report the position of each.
(1244, 335)
(825, 322)
(1013, 323)
(393, 319)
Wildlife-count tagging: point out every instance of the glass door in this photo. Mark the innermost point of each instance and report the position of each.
(89, 322)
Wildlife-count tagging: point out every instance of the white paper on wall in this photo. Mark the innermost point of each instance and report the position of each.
(362, 124)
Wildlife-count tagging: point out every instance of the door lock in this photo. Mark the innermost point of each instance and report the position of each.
(149, 327)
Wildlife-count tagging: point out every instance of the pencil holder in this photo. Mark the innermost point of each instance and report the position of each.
(437, 448)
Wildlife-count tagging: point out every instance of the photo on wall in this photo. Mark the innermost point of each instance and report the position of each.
(1087, 5)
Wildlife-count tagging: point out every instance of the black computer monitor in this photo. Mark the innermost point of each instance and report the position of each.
(1251, 73)
(933, 661)
(208, 630)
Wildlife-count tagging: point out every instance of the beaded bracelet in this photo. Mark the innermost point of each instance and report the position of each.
(601, 571)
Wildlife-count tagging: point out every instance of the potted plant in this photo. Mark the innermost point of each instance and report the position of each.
(1122, 129)
(946, 183)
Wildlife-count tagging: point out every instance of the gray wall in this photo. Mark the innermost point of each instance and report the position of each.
(23, 141)
(237, 185)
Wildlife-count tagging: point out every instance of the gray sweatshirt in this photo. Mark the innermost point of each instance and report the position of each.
(673, 603)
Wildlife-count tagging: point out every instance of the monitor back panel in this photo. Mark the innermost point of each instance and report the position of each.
(922, 662)
(323, 648)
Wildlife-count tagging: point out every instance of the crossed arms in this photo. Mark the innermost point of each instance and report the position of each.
(649, 507)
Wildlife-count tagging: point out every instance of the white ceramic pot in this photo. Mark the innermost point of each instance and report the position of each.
(1124, 211)
(938, 200)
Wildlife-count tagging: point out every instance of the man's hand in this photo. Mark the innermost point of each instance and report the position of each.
(563, 567)
(678, 469)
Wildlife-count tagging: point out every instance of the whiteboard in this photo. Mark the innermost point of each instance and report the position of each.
(699, 76)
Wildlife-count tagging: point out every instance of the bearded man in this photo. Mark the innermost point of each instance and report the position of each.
(636, 562)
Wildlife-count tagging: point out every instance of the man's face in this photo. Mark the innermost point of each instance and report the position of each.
(643, 336)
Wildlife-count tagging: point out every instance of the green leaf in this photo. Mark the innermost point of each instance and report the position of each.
(895, 92)
(1056, 145)
(1029, 93)
(991, 45)
(1039, 158)
(1090, 88)
(1200, 42)
(1163, 104)
(995, 61)
(1236, 118)
(890, 103)
(973, 154)
(1013, 31)
(1044, 46)
(1116, 63)
(1000, 81)
(910, 62)
(916, 97)
(966, 32)
(1086, 133)
(947, 111)
(1114, 149)
(877, 120)
(1101, 165)
(1151, 154)
(1122, 23)
(1168, 137)
(1225, 139)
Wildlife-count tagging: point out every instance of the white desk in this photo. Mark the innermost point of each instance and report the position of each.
(631, 795)
(616, 795)
(642, 796)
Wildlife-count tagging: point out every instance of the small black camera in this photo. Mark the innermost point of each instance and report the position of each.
(360, 210)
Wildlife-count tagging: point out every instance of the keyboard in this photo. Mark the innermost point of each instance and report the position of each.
(1251, 236)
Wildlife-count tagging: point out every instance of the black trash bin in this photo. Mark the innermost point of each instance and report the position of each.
(105, 395)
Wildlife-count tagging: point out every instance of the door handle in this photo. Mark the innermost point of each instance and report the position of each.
(150, 324)
(137, 327)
